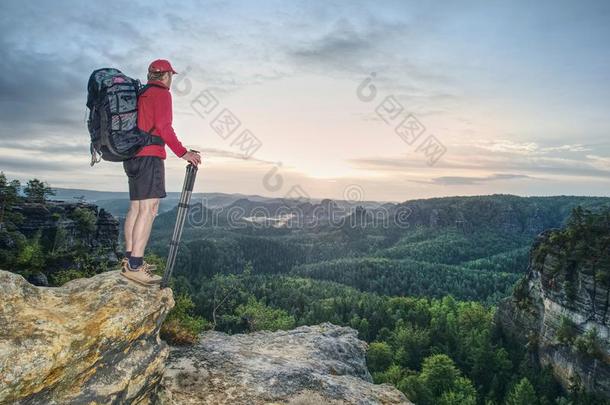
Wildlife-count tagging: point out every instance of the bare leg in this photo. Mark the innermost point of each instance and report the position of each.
(130, 220)
(143, 224)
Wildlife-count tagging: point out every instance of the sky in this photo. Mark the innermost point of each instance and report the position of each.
(361, 100)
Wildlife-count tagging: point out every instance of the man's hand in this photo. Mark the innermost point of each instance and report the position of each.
(192, 157)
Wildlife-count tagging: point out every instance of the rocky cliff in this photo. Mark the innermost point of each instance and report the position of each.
(96, 341)
(321, 364)
(71, 218)
(70, 235)
(91, 341)
(51, 215)
(560, 311)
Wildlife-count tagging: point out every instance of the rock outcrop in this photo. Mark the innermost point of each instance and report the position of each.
(321, 364)
(49, 216)
(96, 341)
(92, 341)
(66, 227)
(553, 309)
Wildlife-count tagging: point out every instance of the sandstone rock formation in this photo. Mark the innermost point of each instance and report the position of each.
(96, 341)
(93, 340)
(321, 364)
(47, 217)
(60, 228)
(540, 306)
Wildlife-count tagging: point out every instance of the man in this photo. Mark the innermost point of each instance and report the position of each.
(146, 170)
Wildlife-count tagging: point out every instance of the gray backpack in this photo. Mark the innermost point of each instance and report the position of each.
(112, 100)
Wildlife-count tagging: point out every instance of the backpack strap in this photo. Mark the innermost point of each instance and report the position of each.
(148, 86)
(154, 139)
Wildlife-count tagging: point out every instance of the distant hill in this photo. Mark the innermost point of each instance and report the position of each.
(117, 202)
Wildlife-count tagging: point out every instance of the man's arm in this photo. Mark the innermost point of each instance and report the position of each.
(163, 123)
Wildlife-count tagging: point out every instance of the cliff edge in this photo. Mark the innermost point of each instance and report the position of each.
(96, 341)
(560, 309)
(320, 364)
(93, 340)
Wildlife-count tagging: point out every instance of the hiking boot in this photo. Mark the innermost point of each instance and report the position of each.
(144, 275)
(124, 263)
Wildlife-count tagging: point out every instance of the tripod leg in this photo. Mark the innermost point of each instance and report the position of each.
(183, 206)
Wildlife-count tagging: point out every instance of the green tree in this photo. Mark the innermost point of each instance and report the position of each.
(589, 343)
(415, 390)
(259, 316)
(59, 240)
(463, 393)
(86, 220)
(379, 356)
(9, 195)
(410, 344)
(439, 374)
(440, 382)
(522, 394)
(159, 264)
(31, 257)
(224, 295)
(393, 375)
(566, 332)
(37, 191)
(181, 327)
(364, 329)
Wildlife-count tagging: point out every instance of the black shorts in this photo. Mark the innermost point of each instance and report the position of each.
(146, 176)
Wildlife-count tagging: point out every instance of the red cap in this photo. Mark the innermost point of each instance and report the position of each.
(161, 65)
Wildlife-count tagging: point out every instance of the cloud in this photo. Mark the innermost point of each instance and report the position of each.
(527, 148)
(38, 94)
(365, 42)
(500, 157)
(48, 52)
(231, 155)
(463, 180)
(600, 162)
(343, 46)
(51, 146)
(27, 164)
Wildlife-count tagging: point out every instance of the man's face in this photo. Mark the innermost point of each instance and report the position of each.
(168, 78)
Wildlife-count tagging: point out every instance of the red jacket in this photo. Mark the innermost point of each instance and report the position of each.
(155, 110)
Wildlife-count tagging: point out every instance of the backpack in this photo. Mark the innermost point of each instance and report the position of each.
(112, 100)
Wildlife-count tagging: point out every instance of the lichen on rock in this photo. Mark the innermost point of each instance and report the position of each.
(93, 340)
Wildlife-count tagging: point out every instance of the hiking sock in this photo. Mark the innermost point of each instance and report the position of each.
(127, 254)
(135, 263)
